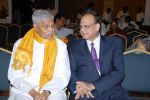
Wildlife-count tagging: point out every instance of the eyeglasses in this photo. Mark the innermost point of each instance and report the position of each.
(46, 27)
(86, 26)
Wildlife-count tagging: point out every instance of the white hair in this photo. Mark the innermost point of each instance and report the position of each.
(40, 15)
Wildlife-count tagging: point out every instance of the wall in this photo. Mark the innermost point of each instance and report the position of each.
(4, 3)
(118, 5)
(108, 4)
(71, 7)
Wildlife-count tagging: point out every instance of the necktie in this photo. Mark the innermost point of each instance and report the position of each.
(94, 56)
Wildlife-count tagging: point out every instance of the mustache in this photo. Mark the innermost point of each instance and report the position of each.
(49, 33)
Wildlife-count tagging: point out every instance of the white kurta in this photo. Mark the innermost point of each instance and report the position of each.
(22, 83)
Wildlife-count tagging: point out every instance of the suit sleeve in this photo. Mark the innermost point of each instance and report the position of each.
(74, 79)
(115, 76)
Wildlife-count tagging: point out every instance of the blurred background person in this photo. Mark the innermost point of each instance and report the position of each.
(139, 16)
(114, 29)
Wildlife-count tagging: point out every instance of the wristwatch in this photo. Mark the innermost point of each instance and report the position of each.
(47, 91)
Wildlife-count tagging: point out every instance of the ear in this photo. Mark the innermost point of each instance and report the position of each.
(57, 20)
(35, 26)
(98, 26)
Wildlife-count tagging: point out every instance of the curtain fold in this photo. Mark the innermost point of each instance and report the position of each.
(147, 13)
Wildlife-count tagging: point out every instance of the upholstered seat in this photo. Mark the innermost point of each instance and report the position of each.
(4, 64)
(3, 36)
(137, 72)
(13, 35)
(123, 38)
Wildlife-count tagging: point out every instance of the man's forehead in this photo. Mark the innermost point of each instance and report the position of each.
(47, 21)
(88, 18)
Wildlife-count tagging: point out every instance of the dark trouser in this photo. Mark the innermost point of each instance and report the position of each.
(117, 93)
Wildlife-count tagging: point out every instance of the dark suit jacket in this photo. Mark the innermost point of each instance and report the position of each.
(84, 69)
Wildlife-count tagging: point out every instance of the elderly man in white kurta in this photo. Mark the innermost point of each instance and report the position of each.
(39, 68)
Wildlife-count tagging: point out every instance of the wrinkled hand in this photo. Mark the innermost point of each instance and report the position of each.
(44, 95)
(34, 94)
(83, 88)
(37, 96)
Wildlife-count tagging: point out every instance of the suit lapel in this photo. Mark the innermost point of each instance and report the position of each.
(86, 48)
(89, 57)
(102, 49)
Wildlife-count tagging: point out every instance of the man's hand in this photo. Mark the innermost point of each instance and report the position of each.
(84, 89)
(88, 86)
(91, 86)
(80, 93)
(34, 94)
(44, 95)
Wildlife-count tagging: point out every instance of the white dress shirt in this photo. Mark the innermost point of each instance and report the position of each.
(139, 17)
(96, 46)
(121, 13)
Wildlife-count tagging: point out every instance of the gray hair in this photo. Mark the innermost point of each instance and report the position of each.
(40, 15)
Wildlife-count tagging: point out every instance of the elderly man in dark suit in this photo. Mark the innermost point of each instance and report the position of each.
(96, 64)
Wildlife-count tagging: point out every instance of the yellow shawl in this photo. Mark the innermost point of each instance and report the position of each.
(24, 52)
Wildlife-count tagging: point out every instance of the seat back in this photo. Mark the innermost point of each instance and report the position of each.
(5, 56)
(130, 36)
(3, 36)
(25, 28)
(13, 33)
(123, 38)
(137, 71)
(141, 36)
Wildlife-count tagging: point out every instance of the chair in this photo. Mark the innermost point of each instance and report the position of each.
(24, 29)
(141, 36)
(137, 72)
(143, 32)
(130, 36)
(123, 38)
(129, 29)
(5, 56)
(3, 36)
(13, 34)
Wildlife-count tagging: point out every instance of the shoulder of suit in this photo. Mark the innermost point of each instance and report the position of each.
(111, 39)
(77, 42)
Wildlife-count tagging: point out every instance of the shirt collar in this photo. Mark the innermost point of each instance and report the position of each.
(96, 41)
